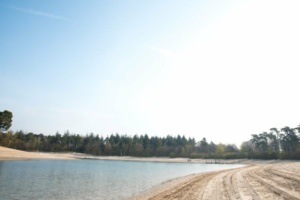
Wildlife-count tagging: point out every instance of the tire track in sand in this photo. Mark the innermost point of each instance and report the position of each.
(259, 181)
(191, 189)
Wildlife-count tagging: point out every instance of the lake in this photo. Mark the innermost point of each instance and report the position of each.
(89, 179)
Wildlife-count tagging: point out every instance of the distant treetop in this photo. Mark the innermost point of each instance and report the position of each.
(5, 120)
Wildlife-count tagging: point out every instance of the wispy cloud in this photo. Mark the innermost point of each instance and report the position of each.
(164, 52)
(39, 13)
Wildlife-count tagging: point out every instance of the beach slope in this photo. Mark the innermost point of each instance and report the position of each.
(277, 180)
(13, 154)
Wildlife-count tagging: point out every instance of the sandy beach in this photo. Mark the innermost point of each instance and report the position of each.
(257, 180)
(269, 180)
(13, 154)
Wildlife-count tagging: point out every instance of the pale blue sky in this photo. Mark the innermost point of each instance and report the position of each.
(217, 69)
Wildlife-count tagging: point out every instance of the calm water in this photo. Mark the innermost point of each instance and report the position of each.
(88, 179)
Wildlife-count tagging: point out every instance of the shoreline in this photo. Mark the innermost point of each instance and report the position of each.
(8, 154)
(273, 180)
(170, 184)
(258, 179)
(13, 154)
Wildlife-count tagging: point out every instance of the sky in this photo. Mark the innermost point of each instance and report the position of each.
(217, 69)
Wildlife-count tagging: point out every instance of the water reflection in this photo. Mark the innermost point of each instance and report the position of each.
(0, 167)
(88, 179)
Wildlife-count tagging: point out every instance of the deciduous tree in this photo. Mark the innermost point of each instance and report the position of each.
(5, 120)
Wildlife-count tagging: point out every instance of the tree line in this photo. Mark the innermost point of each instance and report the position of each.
(281, 143)
(275, 144)
(116, 145)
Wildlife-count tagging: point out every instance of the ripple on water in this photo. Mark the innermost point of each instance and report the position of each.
(88, 179)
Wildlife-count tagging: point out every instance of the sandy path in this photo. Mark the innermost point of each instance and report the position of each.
(259, 181)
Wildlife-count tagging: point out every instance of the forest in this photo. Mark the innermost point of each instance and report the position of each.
(281, 143)
(275, 144)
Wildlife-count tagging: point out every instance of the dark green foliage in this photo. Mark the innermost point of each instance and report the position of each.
(5, 120)
(283, 144)
(114, 145)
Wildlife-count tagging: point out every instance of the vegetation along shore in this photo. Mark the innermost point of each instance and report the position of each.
(276, 144)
